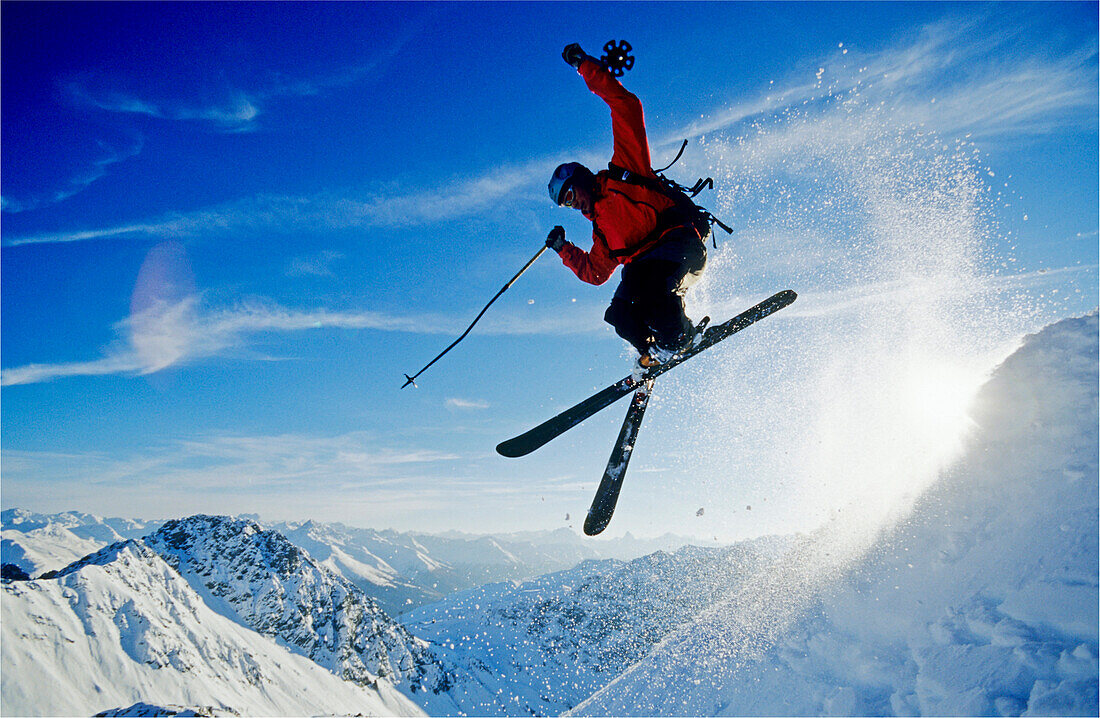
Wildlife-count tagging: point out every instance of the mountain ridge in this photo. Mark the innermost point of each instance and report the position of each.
(981, 600)
(126, 628)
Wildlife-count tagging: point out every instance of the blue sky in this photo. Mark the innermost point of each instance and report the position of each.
(228, 230)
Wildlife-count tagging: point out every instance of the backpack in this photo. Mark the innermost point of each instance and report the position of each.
(684, 209)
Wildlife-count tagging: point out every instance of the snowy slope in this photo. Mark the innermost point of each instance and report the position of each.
(37, 543)
(388, 566)
(259, 578)
(403, 571)
(542, 646)
(980, 598)
(127, 629)
(984, 601)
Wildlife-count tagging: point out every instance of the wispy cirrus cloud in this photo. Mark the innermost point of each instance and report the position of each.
(466, 404)
(169, 333)
(954, 77)
(315, 265)
(224, 464)
(360, 478)
(972, 88)
(174, 333)
(230, 108)
(110, 154)
(177, 332)
(263, 214)
(950, 78)
(235, 112)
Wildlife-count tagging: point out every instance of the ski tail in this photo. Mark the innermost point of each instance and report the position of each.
(532, 439)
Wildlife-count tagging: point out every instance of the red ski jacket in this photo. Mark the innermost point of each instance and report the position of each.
(624, 215)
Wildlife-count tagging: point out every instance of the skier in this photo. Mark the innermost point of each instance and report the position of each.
(658, 235)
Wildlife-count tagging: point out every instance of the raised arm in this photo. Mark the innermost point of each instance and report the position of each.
(627, 120)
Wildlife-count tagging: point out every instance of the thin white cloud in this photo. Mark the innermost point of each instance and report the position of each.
(78, 182)
(950, 78)
(363, 477)
(315, 265)
(237, 112)
(457, 403)
(237, 109)
(945, 79)
(173, 333)
(265, 213)
(226, 463)
(114, 363)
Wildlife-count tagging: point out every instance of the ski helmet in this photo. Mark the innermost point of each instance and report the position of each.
(565, 176)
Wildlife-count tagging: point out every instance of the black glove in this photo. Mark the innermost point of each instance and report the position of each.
(573, 54)
(556, 239)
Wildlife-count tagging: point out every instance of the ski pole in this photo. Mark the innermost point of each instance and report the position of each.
(410, 379)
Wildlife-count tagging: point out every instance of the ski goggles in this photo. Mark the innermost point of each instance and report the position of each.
(568, 197)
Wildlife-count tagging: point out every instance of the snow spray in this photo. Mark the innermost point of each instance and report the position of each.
(831, 420)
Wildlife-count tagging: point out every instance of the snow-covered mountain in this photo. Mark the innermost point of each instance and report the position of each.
(543, 646)
(37, 543)
(125, 629)
(405, 570)
(264, 581)
(399, 570)
(266, 585)
(980, 599)
(276, 588)
(385, 565)
(984, 601)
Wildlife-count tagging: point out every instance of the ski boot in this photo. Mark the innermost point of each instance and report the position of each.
(656, 355)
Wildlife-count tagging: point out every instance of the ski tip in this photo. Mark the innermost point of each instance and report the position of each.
(508, 449)
(781, 299)
(593, 526)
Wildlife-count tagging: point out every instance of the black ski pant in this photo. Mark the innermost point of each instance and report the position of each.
(648, 306)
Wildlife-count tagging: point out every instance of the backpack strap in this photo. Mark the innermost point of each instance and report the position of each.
(684, 209)
(622, 174)
(674, 159)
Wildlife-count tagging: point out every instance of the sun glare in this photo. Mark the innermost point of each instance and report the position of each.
(940, 394)
(938, 397)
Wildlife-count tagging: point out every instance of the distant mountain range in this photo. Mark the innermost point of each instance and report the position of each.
(982, 601)
(401, 571)
(545, 645)
(122, 628)
(36, 543)
(269, 586)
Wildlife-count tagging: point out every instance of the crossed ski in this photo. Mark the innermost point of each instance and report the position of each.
(603, 505)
